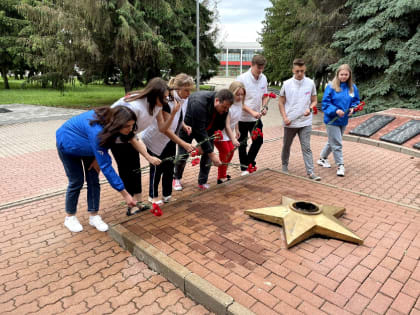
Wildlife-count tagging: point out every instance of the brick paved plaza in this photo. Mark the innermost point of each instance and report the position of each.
(46, 270)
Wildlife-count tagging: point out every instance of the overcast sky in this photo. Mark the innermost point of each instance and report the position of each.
(242, 19)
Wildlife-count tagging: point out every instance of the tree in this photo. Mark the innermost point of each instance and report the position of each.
(318, 21)
(301, 29)
(278, 40)
(138, 38)
(11, 22)
(382, 44)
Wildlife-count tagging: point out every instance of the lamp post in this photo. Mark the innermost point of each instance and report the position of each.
(198, 44)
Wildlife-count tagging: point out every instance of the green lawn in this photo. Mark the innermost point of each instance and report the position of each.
(77, 96)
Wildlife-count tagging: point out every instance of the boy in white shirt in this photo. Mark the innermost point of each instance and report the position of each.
(297, 98)
(255, 106)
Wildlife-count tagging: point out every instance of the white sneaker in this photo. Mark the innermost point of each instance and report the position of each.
(340, 170)
(244, 173)
(96, 221)
(167, 199)
(176, 184)
(158, 202)
(73, 224)
(323, 163)
(314, 177)
(204, 186)
(285, 169)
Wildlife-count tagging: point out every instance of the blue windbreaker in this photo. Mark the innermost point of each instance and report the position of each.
(332, 101)
(77, 137)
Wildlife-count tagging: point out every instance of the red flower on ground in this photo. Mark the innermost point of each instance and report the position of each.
(156, 210)
(251, 168)
(195, 161)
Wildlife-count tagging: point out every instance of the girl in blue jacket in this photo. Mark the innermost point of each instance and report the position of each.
(82, 144)
(340, 98)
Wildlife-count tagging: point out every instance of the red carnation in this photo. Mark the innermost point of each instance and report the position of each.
(251, 168)
(315, 110)
(218, 135)
(194, 153)
(272, 95)
(156, 210)
(254, 137)
(195, 161)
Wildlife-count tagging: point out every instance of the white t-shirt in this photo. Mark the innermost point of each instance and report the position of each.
(298, 99)
(255, 90)
(141, 108)
(155, 140)
(235, 113)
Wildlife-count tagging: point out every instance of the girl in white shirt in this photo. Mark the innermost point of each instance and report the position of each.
(160, 145)
(227, 145)
(147, 105)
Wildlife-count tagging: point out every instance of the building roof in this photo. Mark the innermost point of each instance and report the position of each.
(241, 45)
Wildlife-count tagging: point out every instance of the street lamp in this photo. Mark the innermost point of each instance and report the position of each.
(198, 44)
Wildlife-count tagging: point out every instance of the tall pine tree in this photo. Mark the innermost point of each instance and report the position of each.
(382, 44)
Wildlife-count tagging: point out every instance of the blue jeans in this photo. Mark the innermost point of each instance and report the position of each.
(76, 168)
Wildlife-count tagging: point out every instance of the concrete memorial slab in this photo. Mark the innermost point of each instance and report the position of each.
(220, 256)
(372, 125)
(403, 133)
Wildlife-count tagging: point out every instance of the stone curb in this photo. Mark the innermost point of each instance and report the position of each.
(195, 287)
(375, 143)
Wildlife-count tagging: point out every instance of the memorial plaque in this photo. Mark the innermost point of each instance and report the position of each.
(417, 146)
(372, 125)
(403, 133)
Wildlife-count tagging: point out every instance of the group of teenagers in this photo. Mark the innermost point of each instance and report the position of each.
(161, 121)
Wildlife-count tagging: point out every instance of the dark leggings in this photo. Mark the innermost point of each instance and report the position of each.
(245, 158)
(128, 162)
(164, 170)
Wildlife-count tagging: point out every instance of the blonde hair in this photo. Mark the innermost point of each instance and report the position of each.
(336, 82)
(235, 86)
(181, 80)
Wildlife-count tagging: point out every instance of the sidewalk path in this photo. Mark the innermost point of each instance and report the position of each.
(46, 269)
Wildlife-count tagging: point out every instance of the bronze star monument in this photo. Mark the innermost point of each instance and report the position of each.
(301, 220)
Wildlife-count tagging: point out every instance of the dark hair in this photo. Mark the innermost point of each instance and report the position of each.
(259, 60)
(299, 62)
(225, 95)
(154, 89)
(112, 120)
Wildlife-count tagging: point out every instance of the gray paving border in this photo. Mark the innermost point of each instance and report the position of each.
(375, 143)
(193, 286)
